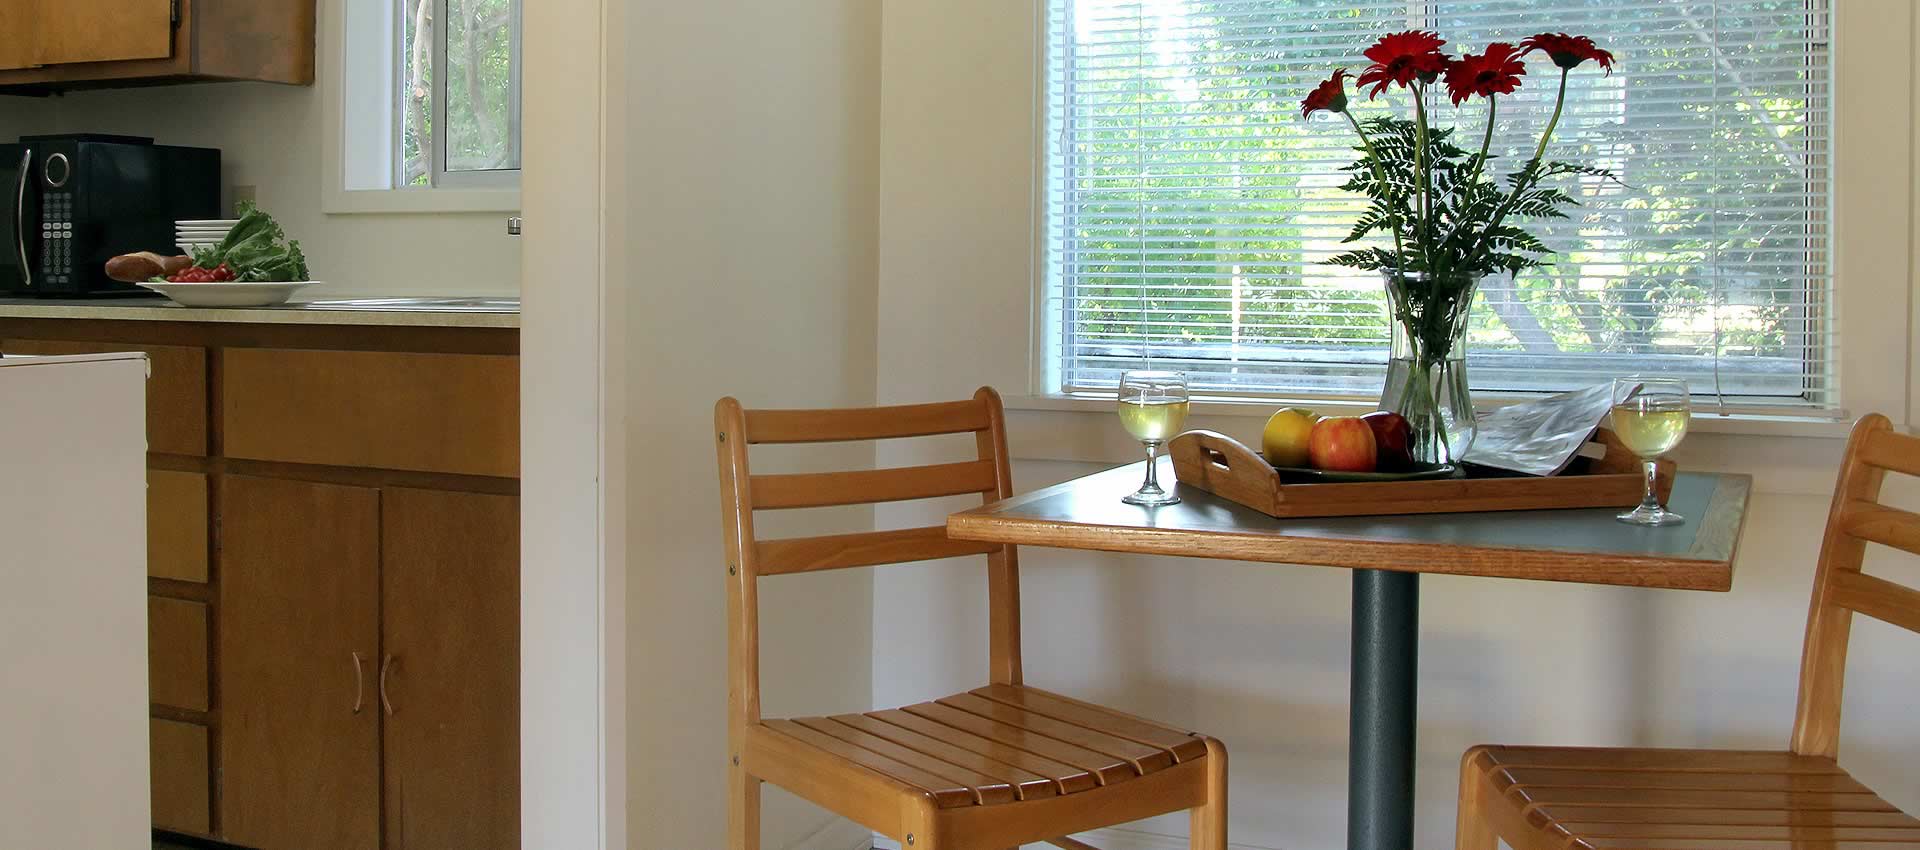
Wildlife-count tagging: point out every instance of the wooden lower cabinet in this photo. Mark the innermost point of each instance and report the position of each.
(333, 576)
(181, 784)
(450, 588)
(299, 642)
(370, 663)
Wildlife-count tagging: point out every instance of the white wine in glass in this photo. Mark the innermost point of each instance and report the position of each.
(1650, 416)
(1153, 408)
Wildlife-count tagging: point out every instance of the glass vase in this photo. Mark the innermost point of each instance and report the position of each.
(1427, 369)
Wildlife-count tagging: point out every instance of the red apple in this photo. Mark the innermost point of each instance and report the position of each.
(1392, 439)
(1342, 444)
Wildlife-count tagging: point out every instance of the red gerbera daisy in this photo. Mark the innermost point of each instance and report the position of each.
(1401, 58)
(1497, 71)
(1330, 95)
(1567, 51)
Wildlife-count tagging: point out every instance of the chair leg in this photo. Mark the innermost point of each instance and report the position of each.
(1209, 827)
(1472, 829)
(743, 810)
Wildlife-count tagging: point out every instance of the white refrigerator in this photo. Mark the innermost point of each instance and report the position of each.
(73, 603)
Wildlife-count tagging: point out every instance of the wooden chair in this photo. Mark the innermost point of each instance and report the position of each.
(1613, 799)
(991, 768)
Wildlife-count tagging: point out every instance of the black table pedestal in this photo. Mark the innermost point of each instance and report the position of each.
(1380, 754)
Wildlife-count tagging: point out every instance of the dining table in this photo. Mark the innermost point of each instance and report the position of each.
(1387, 555)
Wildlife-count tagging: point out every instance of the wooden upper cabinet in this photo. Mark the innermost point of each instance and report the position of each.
(17, 45)
(52, 45)
(74, 31)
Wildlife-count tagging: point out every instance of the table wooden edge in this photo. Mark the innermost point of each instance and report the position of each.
(1698, 571)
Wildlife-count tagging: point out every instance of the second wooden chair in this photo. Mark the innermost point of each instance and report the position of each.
(1569, 798)
(986, 769)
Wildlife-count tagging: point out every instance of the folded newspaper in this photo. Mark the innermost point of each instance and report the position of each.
(1540, 437)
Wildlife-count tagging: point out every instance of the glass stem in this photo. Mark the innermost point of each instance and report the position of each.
(1153, 467)
(1652, 501)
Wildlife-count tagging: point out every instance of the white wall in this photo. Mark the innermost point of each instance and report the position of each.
(748, 209)
(1258, 655)
(273, 138)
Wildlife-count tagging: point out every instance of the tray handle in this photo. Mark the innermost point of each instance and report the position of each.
(1223, 466)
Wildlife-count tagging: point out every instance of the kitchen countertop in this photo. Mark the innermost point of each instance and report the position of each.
(436, 312)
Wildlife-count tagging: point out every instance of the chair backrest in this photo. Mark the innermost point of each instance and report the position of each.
(750, 558)
(1841, 589)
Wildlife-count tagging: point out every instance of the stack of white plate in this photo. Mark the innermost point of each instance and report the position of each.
(202, 233)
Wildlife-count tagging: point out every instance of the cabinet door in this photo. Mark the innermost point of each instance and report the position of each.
(299, 598)
(450, 585)
(71, 31)
(17, 47)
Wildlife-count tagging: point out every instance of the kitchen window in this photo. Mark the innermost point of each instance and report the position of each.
(1189, 207)
(431, 95)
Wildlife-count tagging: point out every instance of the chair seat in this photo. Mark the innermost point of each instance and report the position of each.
(1646, 799)
(997, 745)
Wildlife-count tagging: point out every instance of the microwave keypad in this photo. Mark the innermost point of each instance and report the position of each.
(56, 235)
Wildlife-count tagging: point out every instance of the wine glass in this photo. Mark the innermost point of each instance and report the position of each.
(1650, 417)
(1153, 407)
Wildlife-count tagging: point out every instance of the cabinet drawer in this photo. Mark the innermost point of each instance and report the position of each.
(451, 413)
(176, 394)
(181, 780)
(177, 653)
(177, 525)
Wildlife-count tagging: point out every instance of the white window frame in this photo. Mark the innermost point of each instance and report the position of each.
(361, 117)
(1875, 98)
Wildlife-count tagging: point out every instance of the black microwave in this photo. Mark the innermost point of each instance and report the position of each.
(73, 202)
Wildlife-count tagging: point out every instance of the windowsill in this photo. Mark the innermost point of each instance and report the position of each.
(1812, 426)
(418, 201)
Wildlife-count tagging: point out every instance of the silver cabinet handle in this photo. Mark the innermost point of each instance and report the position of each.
(20, 219)
(385, 666)
(359, 684)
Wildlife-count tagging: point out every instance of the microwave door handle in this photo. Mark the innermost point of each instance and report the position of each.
(20, 218)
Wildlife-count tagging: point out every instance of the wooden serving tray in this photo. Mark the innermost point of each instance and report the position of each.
(1225, 467)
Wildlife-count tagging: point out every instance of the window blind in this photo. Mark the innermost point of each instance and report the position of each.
(1190, 207)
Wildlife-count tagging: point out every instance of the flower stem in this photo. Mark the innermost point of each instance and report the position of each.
(1486, 142)
(1559, 104)
(1423, 181)
(1529, 173)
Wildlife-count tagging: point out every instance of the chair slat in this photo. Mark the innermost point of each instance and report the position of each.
(1739, 844)
(1892, 450)
(1738, 832)
(1628, 816)
(1030, 785)
(862, 549)
(1547, 796)
(1145, 758)
(873, 423)
(1881, 524)
(867, 486)
(1106, 769)
(1068, 778)
(1182, 744)
(1677, 780)
(987, 790)
(1662, 760)
(945, 792)
(1878, 598)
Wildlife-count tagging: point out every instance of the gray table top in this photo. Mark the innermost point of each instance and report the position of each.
(1578, 545)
